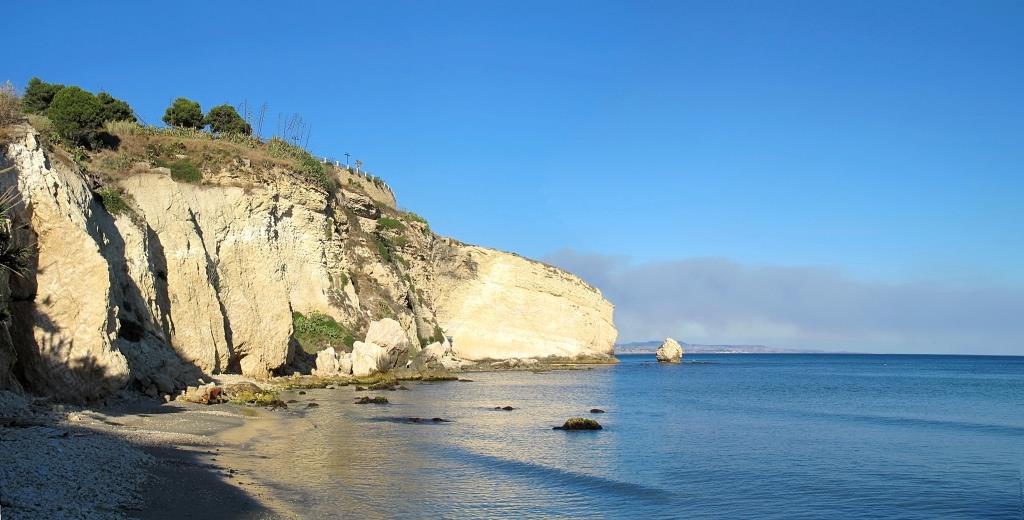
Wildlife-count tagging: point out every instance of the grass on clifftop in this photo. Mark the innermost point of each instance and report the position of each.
(188, 152)
(318, 331)
(182, 170)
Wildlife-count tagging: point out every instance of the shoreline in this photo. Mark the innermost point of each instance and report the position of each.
(159, 453)
(135, 458)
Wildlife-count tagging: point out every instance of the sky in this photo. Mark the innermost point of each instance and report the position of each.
(832, 175)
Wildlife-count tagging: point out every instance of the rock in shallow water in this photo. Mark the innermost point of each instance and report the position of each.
(372, 400)
(579, 423)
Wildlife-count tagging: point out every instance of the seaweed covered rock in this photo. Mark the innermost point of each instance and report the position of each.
(579, 423)
(372, 400)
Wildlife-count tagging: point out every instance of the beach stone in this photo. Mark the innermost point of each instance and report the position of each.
(163, 383)
(205, 394)
(345, 363)
(441, 353)
(434, 352)
(243, 388)
(326, 362)
(389, 335)
(368, 358)
(330, 362)
(669, 352)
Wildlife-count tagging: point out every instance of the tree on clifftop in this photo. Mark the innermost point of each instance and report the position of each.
(114, 109)
(224, 119)
(76, 114)
(184, 113)
(38, 95)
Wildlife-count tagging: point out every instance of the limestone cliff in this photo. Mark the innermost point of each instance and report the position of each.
(506, 306)
(184, 279)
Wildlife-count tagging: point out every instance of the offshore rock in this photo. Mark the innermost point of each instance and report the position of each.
(669, 352)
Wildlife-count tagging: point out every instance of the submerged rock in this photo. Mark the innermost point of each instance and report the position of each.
(417, 420)
(504, 408)
(383, 385)
(372, 400)
(669, 352)
(596, 410)
(579, 423)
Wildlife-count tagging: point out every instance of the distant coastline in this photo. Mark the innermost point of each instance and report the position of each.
(648, 347)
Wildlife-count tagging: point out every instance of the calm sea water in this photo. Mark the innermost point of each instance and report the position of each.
(720, 436)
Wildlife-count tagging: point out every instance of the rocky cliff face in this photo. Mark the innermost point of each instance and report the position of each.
(193, 279)
(501, 306)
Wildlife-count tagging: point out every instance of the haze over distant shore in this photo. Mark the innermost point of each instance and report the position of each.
(648, 347)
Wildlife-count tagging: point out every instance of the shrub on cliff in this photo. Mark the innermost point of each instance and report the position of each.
(15, 258)
(76, 115)
(10, 105)
(309, 166)
(182, 170)
(114, 202)
(38, 95)
(390, 223)
(114, 109)
(224, 119)
(318, 331)
(184, 113)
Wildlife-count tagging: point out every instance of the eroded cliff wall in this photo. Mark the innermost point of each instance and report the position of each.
(505, 306)
(193, 279)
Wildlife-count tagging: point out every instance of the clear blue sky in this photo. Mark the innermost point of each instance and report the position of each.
(884, 140)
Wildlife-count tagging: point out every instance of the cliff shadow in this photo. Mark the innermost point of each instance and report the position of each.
(181, 481)
(144, 324)
(138, 326)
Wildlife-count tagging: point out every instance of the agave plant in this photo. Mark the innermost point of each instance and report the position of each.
(14, 258)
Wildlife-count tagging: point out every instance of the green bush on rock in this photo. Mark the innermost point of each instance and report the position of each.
(318, 331)
(114, 202)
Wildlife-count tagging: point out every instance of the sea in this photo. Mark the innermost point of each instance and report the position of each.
(718, 436)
